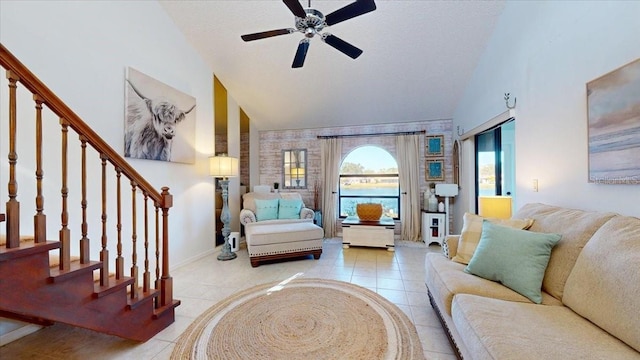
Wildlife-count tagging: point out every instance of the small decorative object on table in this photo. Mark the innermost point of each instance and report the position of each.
(369, 211)
(433, 201)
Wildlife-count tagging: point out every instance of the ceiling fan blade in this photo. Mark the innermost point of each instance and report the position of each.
(266, 34)
(295, 7)
(341, 45)
(352, 10)
(301, 53)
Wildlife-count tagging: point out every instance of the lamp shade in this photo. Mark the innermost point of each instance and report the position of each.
(498, 207)
(223, 166)
(297, 172)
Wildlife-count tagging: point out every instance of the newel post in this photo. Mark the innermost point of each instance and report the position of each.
(166, 282)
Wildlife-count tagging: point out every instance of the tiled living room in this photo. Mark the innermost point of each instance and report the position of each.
(546, 90)
(398, 276)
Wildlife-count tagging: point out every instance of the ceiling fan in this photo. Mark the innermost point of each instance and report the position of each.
(311, 22)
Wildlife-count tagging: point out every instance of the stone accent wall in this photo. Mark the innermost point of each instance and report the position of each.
(273, 142)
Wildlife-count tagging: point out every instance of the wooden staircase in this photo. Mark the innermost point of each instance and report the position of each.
(83, 292)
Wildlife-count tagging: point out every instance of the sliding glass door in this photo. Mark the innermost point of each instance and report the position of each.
(495, 160)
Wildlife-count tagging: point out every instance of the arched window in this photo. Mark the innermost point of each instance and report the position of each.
(369, 174)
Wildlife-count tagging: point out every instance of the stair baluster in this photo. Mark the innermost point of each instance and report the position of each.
(13, 206)
(157, 280)
(119, 258)
(39, 219)
(134, 240)
(104, 253)
(65, 233)
(146, 277)
(84, 241)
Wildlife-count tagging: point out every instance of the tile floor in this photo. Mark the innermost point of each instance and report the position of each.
(398, 276)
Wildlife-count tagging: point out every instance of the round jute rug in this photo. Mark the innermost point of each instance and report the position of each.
(301, 319)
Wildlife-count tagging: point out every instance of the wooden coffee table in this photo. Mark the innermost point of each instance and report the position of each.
(368, 233)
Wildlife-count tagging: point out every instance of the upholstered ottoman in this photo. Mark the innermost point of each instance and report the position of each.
(277, 239)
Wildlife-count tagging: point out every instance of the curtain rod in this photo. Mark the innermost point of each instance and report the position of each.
(374, 134)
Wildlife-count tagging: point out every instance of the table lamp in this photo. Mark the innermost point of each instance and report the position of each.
(223, 166)
(498, 207)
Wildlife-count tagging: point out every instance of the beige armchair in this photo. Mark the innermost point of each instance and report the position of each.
(288, 233)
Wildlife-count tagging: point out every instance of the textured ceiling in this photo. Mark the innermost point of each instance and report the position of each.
(418, 57)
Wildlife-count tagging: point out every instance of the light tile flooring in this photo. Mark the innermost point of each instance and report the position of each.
(398, 276)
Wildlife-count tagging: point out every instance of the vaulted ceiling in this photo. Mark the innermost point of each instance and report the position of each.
(418, 58)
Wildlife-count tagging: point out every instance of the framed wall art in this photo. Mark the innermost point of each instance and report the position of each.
(434, 169)
(434, 145)
(613, 112)
(160, 121)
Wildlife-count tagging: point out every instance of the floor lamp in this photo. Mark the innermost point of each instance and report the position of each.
(223, 166)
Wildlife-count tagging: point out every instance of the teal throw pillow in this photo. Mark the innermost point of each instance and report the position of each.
(266, 209)
(289, 209)
(516, 258)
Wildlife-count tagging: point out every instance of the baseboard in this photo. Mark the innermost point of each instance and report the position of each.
(194, 258)
(18, 333)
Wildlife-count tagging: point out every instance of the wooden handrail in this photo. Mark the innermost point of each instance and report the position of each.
(31, 82)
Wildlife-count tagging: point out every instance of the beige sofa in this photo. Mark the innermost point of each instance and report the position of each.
(590, 294)
(275, 239)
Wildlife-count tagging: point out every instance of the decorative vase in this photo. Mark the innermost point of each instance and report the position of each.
(433, 202)
(369, 211)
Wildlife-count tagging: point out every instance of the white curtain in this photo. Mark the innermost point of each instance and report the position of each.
(408, 150)
(331, 158)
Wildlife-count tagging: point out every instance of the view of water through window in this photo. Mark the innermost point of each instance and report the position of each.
(369, 174)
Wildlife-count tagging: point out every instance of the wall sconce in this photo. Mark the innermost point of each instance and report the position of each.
(498, 207)
(223, 166)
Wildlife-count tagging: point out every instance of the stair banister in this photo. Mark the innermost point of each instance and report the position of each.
(18, 72)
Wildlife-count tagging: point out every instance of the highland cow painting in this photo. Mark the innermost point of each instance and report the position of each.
(613, 103)
(159, 120)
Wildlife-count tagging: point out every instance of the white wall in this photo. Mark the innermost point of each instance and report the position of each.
(80, 50)
(544, 53)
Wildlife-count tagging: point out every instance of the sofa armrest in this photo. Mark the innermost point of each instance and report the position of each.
(247, 216)
(307, 213)
(450, 246)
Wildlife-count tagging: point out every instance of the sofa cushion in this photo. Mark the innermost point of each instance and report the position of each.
(446, 278)
(248, 199)
(576, 228)
(472, 230)
(515, 258)
(604, 285)
(289, 208)
(497, 329)
(266, 209)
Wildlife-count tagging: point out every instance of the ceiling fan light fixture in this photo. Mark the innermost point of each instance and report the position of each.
(311, 22)
(309, 32)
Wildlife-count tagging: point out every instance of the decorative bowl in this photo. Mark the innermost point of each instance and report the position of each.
(369, 211)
